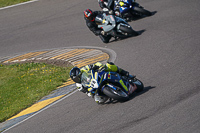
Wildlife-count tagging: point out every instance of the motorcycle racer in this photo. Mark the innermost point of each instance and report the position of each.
(89, 16)
(106, 5)
(75, 75)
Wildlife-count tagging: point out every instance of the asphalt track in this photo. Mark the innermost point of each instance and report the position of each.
(165, 57)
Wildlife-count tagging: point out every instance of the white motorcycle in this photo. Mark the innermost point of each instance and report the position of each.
(114, 26)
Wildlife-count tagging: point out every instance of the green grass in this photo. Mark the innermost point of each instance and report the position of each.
(21, 85)
(4, 3)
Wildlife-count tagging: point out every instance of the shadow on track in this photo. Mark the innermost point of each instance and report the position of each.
(142, 92)
(138, 17)
(118, 39)
(132, 96)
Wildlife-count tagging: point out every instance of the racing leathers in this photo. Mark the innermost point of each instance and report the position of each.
(99, 66)
(106, 5)
(97, 31)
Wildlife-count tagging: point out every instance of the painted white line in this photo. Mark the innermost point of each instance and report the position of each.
(41, 110)
(18, 4)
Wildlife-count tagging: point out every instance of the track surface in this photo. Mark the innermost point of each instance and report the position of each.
(165, 57)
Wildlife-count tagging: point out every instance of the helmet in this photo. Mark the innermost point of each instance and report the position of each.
(88, 14)
(75, 74)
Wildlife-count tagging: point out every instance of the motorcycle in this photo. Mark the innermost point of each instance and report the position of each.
(114, 26)
(128, 8)
(110, 84)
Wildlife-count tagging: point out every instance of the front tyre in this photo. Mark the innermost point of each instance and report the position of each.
(139, 84)
(142, 11)
(127, 29)
(115, 94)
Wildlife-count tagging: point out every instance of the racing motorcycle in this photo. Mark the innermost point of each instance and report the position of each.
(128, 8)
(110, 84)
(114, 26)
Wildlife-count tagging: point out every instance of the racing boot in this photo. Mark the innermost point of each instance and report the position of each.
(100, 99)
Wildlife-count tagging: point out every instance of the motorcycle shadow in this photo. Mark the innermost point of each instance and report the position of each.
(146, 89)
(123, 38)
(138, 17)
(132, 96)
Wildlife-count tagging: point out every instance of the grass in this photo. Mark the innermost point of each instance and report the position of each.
(21, 85)
(4, 3)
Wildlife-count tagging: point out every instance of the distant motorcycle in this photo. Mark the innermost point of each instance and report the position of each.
(128, 8)
(114, 26)
(110, 84)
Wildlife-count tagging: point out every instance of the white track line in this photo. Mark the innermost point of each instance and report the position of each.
(18, 4)
(40, 110)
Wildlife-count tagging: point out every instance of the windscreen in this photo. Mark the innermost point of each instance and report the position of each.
(86, 78)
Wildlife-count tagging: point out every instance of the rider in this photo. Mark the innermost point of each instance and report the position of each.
(106, 5)
(75, 75)
(89, 16)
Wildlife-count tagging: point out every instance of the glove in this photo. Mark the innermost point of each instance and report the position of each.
(111, 12)
(81, 88)
(89, 94)
(103, 33)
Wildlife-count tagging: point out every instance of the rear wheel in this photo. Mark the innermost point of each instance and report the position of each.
(142, 11)
(115, 94)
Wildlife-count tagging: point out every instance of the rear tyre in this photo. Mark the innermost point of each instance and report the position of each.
(142, 11)
(117, 95)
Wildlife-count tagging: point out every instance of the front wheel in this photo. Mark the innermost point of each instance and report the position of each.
(127, 29)
(139, 84)
(115, 94)
(142, 11)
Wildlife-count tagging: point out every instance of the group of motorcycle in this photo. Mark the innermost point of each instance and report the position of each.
(116, 24)
(111, 84)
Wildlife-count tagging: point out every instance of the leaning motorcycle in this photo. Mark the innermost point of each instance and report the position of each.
(110, 84)
(114, 26)
(128, 8)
